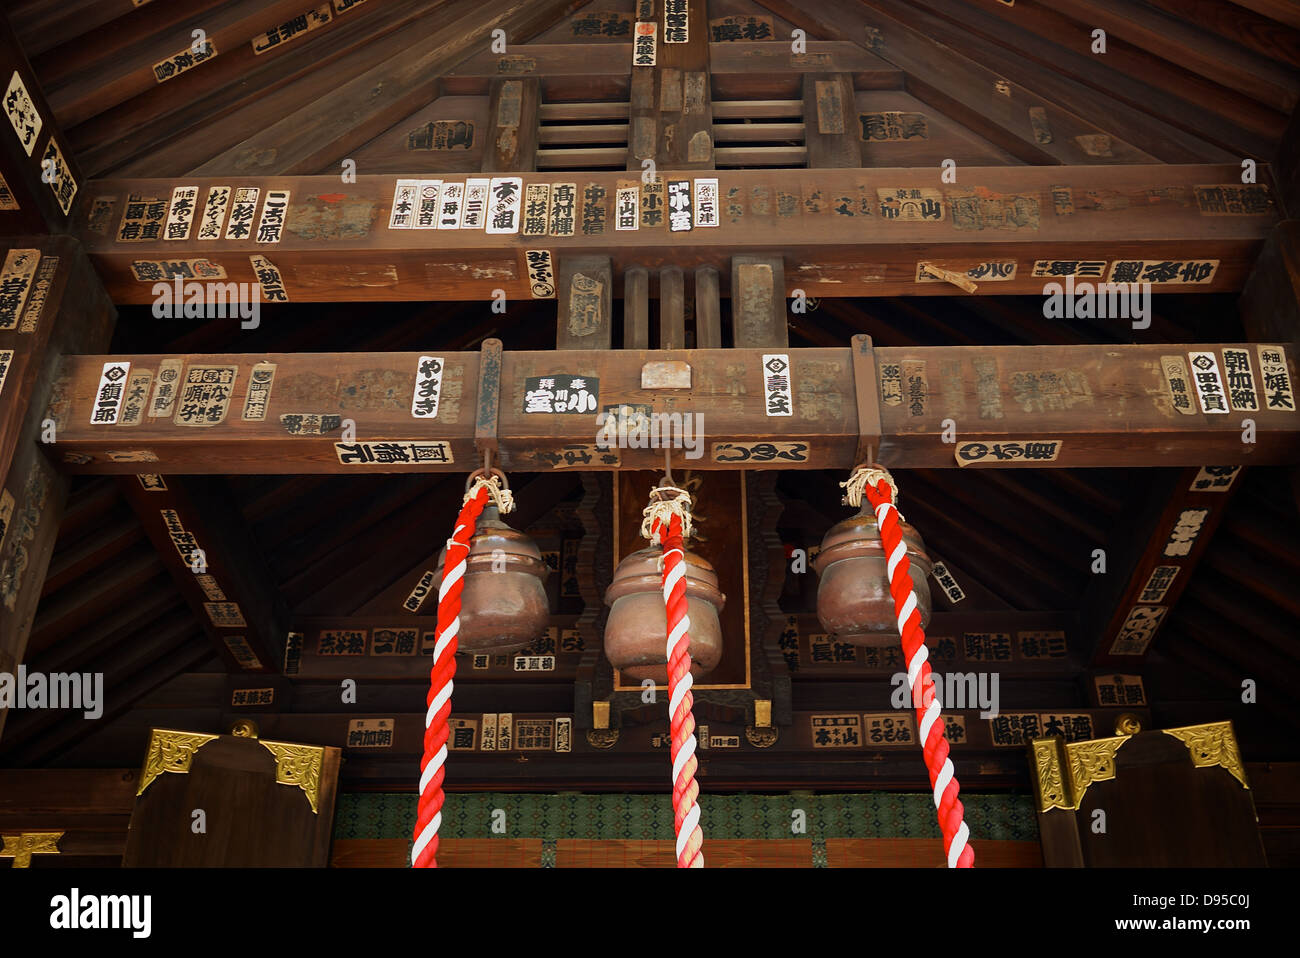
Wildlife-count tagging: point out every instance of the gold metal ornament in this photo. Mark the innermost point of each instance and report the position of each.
(1212, 744)
(1128, 724)
(170, 750)
(1064, 772)
(298, 765)
(602, 737)
(23, 846)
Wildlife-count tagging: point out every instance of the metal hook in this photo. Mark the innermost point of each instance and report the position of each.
(486, 471)
(668, 480)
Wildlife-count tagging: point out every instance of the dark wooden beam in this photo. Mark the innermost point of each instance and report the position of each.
(36, 196)
(984, 396)
(1152, 556)
(228, 587)
(336, 242)
(183, 123)
(61, 309)
(81, 89)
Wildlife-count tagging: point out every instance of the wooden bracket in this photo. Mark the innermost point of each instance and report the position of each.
(489, 397)
(867, 393)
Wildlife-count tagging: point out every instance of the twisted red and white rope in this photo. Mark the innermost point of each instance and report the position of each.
(429, 811)
(934, 742)
(686, 809)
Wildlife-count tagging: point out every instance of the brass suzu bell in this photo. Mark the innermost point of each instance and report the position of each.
(636, 633)
(503, 604)
(853, 599)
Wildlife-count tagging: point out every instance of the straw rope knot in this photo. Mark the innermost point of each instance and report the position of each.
(495, 484)
(666, 501)
(864, 476)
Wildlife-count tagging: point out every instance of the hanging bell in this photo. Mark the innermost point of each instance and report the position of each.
(503, 604)
(853, 599)
(636, 633)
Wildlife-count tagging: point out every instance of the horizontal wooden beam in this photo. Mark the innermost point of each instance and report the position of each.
(940, 407)
(841, 232)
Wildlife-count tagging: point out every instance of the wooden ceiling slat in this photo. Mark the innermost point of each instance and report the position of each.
(1283, 11)
(970, 496)
(115, 37)
(1025, 487)
(361, 566)
(1246, 571)
(948, 538)
(353, 508)
(88, 504)
(863, 317)
(169, 650)
(192, 104)
(91, 551)
(89, 91)
(123, 624)
(41, 25)
(1181, 41)
(80, 605)
(1025, 553)
(957, 85)
(318, 136)
(1206, 660)
(1174, 114)
(260, 500)
(1256, 32)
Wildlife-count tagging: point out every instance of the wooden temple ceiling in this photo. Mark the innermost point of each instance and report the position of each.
(411, 87)
(1181, 81)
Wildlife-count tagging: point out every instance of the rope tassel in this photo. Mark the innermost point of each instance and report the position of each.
(934, 742)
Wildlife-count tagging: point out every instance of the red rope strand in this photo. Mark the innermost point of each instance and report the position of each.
(436, 732)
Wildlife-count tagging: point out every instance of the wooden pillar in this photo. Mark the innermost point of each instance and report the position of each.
(1270, 302)
(671, 113)
(62, 309)
(585, 296)
(672, 308)
(758, 302)
(512, 133)
(636, 308)
(28, 203)
(708, 316)
(828, 121)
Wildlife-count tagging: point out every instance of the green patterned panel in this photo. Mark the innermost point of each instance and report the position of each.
(647, 817)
